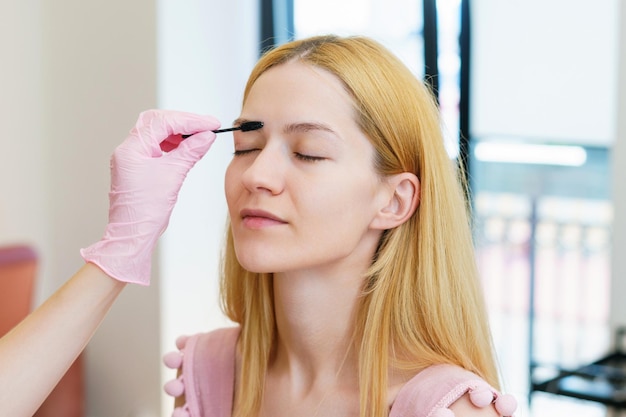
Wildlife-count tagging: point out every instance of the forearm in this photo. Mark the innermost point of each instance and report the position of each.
(37, 352)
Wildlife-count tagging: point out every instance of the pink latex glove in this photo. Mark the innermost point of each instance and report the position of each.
(145, 182)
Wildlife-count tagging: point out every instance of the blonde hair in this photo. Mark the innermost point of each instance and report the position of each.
(422, 302)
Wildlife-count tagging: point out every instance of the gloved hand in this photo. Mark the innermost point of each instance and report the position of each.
(145, 182)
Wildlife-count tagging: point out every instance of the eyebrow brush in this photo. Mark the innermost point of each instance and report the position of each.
(244, 127)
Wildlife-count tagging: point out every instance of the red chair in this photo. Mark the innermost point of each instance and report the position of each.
(18, 271)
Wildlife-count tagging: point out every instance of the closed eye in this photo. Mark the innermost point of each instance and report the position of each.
(308, 158)
(241, 152)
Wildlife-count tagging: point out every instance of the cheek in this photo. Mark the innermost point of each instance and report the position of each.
(346, 198)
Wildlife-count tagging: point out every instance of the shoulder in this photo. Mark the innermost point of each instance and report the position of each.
(215, 342)
(205, 378)
(204, 348)
(450, 391)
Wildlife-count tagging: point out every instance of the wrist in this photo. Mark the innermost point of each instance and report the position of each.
(122, 259)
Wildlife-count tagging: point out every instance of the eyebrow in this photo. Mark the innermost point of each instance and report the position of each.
(296, 127)
(239, 121)
(307, 127)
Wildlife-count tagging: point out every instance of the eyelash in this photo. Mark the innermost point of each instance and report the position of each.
(244, 152)
(308, 158)
(302, 157)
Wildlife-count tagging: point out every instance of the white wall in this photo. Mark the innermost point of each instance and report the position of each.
(22, 211)
(98, 73)
(545, 69)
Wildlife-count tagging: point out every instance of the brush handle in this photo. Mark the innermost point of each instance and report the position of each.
(244, 127)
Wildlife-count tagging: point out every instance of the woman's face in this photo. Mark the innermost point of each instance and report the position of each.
(302, 191)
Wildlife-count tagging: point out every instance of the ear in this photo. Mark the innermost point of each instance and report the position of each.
(401, 202)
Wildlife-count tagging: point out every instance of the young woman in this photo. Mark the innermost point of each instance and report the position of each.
(349, 265)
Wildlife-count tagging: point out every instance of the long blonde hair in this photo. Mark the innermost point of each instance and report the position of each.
(422, 302)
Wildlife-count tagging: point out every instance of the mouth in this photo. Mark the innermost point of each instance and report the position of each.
(259, 218)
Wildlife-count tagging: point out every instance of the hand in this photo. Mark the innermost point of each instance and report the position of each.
(145, 182)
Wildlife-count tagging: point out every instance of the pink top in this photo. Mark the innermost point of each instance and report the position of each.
(208, 379)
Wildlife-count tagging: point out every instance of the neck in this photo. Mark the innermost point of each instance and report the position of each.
(315, 319)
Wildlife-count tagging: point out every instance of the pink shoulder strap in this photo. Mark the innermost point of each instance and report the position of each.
(432, 391)
(207, 378)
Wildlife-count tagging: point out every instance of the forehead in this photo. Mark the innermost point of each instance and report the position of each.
(298, 89)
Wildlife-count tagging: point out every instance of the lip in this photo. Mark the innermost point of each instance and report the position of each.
(256, 218)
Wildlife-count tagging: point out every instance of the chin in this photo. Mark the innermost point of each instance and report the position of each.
(254, 263)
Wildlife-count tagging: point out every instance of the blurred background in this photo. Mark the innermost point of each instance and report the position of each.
(533, 99)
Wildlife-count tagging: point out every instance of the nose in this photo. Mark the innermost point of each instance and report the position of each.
(267, 171)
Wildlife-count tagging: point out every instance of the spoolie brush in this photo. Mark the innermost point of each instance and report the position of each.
(244, 127)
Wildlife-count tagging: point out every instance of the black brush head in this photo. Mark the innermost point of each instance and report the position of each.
(252, 125)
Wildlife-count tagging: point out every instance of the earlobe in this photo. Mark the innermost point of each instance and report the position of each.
(402, 202)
